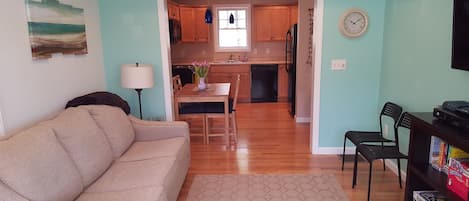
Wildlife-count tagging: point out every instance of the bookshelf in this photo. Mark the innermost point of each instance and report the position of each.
(420, 174)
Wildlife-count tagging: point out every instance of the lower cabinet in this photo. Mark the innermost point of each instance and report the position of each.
(228, 73)
(282, 83)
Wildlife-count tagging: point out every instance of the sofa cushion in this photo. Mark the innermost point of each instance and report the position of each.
(151, 193)
(177, 173)
(135, 174)
(174, 147)
(84, 141)
(8, 194)
(35, 165)
(153, 149)
(115, 124)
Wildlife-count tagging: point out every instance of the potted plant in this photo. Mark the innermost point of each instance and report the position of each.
(201, 71)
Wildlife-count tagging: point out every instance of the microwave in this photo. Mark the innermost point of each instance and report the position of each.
(174, 31)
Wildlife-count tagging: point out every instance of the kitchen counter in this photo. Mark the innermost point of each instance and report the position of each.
(235, 62)
(223, 72)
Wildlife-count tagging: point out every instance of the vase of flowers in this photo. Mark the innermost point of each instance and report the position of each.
(201, 71)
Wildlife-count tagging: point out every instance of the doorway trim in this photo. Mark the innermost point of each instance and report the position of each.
(317, 51)
(165, 58)
(316, 93)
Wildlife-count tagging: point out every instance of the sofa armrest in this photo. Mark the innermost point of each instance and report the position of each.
(156, 130)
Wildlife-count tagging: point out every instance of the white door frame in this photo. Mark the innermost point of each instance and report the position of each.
(165, 58)
(316, 93)
(317, 51)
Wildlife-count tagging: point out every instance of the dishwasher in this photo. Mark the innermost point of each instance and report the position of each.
(264, 83)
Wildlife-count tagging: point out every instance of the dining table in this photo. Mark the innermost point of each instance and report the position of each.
(215, 92)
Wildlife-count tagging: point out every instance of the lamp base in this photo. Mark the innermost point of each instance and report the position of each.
(139, 93)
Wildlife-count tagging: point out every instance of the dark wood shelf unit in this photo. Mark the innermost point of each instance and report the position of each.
(420, 174)
(437, 180)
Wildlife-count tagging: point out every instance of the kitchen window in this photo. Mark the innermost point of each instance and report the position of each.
(234, 36)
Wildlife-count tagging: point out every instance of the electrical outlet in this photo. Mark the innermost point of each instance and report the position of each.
(339, 64)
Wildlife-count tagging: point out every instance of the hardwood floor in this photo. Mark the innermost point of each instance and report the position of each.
(270, 142)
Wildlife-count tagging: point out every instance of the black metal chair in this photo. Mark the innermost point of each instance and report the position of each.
(374, 152)
(358, 137)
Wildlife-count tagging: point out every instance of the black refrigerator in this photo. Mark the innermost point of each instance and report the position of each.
(290, 65)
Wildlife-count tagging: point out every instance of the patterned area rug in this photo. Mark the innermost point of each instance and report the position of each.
(313, 187)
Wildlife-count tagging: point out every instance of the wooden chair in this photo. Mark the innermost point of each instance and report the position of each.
(177, 83)
(190, 112)
(216, 110)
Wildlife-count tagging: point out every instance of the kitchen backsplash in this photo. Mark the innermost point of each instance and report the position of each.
(260, 51)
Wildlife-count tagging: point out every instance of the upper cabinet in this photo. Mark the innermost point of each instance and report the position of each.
(272, 22)
(293, 15)
(193, 27)
(173, 11)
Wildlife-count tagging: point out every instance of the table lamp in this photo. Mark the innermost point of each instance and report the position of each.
(137, 76)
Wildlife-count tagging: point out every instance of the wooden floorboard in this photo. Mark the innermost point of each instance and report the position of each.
(270, 142)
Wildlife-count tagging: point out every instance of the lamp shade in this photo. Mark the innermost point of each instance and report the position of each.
(137, 76)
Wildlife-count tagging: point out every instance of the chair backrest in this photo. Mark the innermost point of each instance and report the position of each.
(235, 99)
(391, 110)
(406, 122)
(177, 83)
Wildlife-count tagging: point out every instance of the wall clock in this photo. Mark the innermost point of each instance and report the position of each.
(353, 23)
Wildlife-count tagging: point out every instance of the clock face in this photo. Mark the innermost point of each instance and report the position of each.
(353, 23)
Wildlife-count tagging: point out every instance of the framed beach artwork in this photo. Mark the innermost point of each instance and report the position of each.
(55, 28)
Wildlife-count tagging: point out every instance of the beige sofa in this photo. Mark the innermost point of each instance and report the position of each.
(95, 153)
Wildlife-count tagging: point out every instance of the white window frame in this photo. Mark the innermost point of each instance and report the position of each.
(247, 7)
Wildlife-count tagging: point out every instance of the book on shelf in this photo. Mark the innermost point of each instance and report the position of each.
(438, 153)
(429, 196)
(454, 152)
(434, 155)
(441, 153)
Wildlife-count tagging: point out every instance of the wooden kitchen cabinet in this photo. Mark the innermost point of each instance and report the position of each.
(271, 22)
(262, 23)
(173, 11)
(228, 73)
(201, 28)
(293, 15)
(282, 83)
(281, 23)
(193, 27)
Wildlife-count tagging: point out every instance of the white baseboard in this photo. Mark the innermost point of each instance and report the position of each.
(393, 167)
(302, 119)
(351, 150)
(334, 150)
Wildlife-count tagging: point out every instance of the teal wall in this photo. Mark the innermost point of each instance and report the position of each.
(130, 33)
(349, 99)
(416, 69)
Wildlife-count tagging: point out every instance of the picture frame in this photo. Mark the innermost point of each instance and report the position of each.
(55, 28)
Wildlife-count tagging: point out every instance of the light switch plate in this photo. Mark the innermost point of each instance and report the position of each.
(338, 64)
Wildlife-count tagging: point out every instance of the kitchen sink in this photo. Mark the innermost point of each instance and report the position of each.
(228, 62)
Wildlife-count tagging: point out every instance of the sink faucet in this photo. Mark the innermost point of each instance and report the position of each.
(231, 57)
